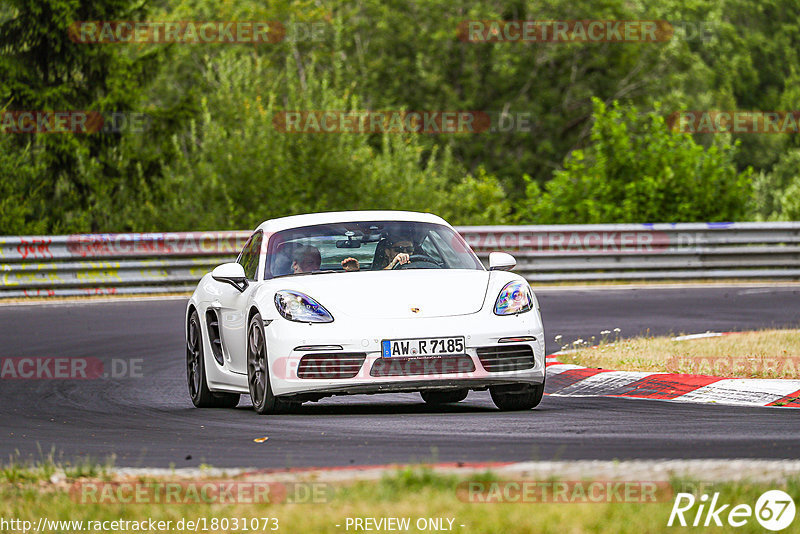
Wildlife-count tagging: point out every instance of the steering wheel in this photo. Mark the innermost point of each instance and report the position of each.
(418, 258)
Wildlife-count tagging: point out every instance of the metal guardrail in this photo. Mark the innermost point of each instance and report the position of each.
(108, 264)
(112, 264)
(646, 251)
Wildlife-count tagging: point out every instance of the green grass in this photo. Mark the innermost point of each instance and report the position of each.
(18, 470)
(410, 492)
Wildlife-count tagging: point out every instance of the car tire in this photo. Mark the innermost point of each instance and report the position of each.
(201, 396)
(515, 398)
(444, 397)
(264, 402)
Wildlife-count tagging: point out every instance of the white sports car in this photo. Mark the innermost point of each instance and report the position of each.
(362, 302)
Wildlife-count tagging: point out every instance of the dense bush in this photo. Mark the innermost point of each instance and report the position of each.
(232, 167)
(777, 193)
(211, 157)
(637, 170)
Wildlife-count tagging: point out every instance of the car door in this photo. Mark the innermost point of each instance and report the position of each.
(232, 307)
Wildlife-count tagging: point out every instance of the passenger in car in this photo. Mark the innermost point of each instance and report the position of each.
(282, 263)
(351, 264)
(306, 259)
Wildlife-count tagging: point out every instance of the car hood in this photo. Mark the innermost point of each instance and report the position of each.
(394, 294)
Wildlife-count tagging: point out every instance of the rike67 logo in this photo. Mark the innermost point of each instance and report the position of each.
(774, 510)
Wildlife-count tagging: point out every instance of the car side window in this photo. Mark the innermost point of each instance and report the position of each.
(430, 249)
(249, 257)
(241, 258)
(448, 256)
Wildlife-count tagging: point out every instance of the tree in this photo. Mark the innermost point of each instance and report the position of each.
(637, 170)
(42, 69)
(234, 168)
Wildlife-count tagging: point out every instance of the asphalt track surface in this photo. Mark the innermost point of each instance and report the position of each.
(150, 422)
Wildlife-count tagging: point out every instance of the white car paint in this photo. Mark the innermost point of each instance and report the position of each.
(367, 307)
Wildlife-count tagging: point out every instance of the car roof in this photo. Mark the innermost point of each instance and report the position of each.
(309, 219)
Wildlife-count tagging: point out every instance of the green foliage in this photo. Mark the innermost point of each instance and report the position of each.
(637, 170)
(18, 470)
(550, 85)
(790, 201)
(234, 168)
(18, 173)
(777, 193)
(211, 157)
(410, 480)
(73, 177)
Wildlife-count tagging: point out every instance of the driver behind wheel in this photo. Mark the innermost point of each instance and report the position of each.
(398, 252)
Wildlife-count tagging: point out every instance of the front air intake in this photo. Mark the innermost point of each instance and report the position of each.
(501, 358)
(330, 365)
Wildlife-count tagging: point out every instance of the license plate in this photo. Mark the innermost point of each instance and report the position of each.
(429, 346)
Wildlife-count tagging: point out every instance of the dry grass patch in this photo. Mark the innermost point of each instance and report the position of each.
(761, 354)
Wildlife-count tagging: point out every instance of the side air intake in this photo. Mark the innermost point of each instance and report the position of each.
(212, 322)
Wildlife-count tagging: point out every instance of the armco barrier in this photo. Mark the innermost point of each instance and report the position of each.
(106, 264)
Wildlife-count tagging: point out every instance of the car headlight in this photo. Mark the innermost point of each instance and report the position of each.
(513, 299)
(296, 306)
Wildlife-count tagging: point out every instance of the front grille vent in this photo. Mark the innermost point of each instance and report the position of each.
(501, 358)
(330, 365)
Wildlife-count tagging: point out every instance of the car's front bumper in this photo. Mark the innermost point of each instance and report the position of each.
(364, 336)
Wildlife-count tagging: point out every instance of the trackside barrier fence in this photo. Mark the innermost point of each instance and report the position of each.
(108, 264)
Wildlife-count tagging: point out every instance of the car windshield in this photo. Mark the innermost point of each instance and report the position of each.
(367, 246)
